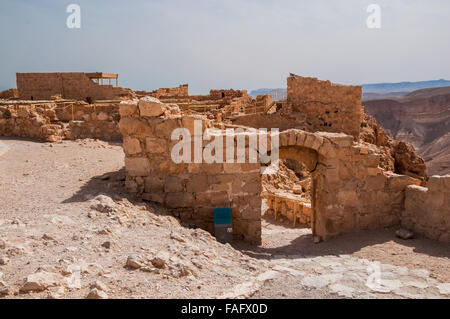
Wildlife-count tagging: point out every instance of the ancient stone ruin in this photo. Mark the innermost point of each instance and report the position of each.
(338, 172)
(78, 86)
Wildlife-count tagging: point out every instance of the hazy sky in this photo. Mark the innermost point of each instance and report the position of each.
(227, 43)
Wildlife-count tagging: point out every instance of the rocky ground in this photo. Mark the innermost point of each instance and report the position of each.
(69, 230)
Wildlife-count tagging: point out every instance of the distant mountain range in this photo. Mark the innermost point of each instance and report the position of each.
(421, 118)
(403, 86)
(370, 91)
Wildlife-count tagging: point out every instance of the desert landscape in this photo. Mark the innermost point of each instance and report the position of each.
(421, 118)
(94, 206)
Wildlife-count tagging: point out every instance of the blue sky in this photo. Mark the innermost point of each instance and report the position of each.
(227, 43)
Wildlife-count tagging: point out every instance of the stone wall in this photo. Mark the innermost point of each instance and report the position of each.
(220, 94)
(75, 85)
(313, 106)
(189, 190)
(290, 206)
(57, 121)
(182, 91)
(350, 191)
(326, 106)
(427, 209)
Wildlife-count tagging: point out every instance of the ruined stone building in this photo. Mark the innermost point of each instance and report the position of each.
(338, 170)
(74, 86)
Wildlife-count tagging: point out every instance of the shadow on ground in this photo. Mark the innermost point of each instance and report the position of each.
(111, 184)
(295, 244)
(303, 244)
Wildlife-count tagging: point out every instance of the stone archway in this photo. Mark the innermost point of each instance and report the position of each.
(314, 151)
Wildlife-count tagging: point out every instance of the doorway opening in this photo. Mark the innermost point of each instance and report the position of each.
(287, 197)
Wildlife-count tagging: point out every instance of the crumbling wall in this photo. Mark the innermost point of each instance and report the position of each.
(350, 191)
(75, 85)
(182, 91)
(29, 122)
(326, 106)
(57, 121)
(427, 209)
(9, 94)
(220, 94)
(189, 190)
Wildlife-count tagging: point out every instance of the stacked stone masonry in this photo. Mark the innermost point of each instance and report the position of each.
(75, 85)
(350, 191)
(189, 190)
(427, 209)
(352, 184)
(52, 121)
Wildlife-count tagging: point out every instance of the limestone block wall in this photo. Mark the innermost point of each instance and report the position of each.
(182, 91)
(29, 122)
(350, 191)
(427, 209)
(74, 85)
(290, 206)
(57, 121)
(220, 94)
(190, 191)
(326, 106)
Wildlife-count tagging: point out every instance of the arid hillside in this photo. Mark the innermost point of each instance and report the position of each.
(421, 118)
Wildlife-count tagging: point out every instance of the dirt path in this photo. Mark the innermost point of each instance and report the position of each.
(51, 234)
(59, 239)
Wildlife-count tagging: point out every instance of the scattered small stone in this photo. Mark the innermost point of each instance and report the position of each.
(40, 281)
(404, 234)
(2, 244)
(177, 237)
(133, 262)
(99, 285)
(57, 293)
(158, 262)
(96, 294)
(107, 244)
(103, 204)
(47, 237)
(17, 222)
(4, 289)
(104, 231)
(4, 260)
(92, 214)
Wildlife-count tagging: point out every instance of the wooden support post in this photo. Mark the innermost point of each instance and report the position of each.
(72, 113)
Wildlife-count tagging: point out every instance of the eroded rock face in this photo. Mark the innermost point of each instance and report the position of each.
(407, 162)
(396, 156)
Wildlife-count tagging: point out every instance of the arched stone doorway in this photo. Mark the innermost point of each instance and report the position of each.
(300, 148)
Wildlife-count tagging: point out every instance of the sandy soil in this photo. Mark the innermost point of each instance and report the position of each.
(53, 224)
